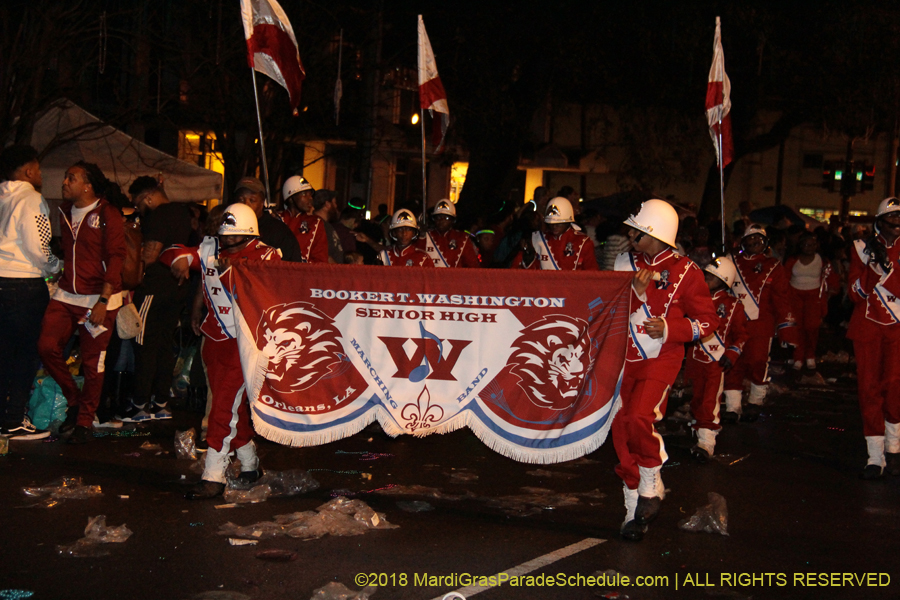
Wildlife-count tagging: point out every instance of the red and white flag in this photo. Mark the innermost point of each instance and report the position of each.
(431, 91)
(718, 102)
(271, 46)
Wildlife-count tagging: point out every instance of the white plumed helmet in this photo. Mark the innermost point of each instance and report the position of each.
(444, 207)
(295, 185)
(657, 219)
(559, 210)
(404, 218)
(239, 219)
(723, 268)
(886, 206)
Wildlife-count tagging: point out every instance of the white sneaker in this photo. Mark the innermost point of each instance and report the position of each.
(111, 424)
(24, 431)
(811, 364)
(798, 365)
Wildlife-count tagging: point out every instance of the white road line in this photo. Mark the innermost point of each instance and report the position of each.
(528, 567)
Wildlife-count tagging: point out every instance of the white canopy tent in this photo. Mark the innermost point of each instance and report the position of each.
(121, 157)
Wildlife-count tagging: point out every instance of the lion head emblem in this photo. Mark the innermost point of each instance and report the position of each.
(301, 344)
(551, 358)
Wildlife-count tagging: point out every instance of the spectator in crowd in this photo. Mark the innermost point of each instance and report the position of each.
(159, 300)
(326, 207)
(89, 293)
(272, 230)
(615, 245)
(344, 226)
(813, 282)
(25, 259)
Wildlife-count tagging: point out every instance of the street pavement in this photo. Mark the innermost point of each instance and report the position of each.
(801, 524)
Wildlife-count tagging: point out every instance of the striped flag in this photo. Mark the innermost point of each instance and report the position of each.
(271, 46)
(718, 102)
(431, 91)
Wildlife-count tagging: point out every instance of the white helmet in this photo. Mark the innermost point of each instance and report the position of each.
(239, 219)
(295, 185)
(559, 210)
(404, 218)
(755, 229)
(888, 205)
(722, 268)
(444, 207)
(657, 219)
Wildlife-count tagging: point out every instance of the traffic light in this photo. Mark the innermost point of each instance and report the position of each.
(849, 178)
(828, 175)
(867, 183)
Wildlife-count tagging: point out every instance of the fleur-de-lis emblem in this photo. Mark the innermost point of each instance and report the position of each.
(422, 414)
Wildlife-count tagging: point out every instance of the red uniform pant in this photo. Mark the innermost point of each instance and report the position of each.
(753, 364)
(808, 311)
(707, 380)
(877, 349)
(644, 391)
(58, 325)
(229, 416)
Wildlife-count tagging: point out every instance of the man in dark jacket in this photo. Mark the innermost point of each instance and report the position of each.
(272, 230)
(89, 293)
(159, 299)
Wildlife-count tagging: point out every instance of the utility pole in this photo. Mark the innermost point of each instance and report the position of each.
(848, 183)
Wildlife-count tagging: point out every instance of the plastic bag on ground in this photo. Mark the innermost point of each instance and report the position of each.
(258, 531)
(185, 444)
(292, 482)
(64, 488)
(712, 518)
(95, 534)
(339, 591)
(338, 517)
(414, 506)
(47, 407)
(239, 493)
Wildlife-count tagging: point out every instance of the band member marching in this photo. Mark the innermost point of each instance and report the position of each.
(446, 246)
(761, 284)
(230, 429)
(563, 247)
(875, 331)
(403, 253)
(710, 357)
(673, 307)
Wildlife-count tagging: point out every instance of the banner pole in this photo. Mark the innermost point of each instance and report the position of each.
(722, 184)
(262, 142)
(424, 184)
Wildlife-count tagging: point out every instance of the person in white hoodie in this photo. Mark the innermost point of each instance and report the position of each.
(25, 259)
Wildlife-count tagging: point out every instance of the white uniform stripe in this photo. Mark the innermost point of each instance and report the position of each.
(527, 567)
(145, 308)
(232, 425)
(658, 417)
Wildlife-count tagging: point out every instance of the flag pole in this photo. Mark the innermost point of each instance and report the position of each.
(722, 183)
(262, 142)
(424, 184)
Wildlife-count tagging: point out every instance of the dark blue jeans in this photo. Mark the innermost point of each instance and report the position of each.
(22, 306)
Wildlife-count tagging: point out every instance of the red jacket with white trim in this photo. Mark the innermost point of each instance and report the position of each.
(767, 280)
(571, 251)
(455, 246)
(310, 233)
(681, 297)
(732, 328)
(877, 305)
(211, 326)
(96, 254)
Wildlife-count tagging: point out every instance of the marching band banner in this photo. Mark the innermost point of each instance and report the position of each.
(530, 361)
